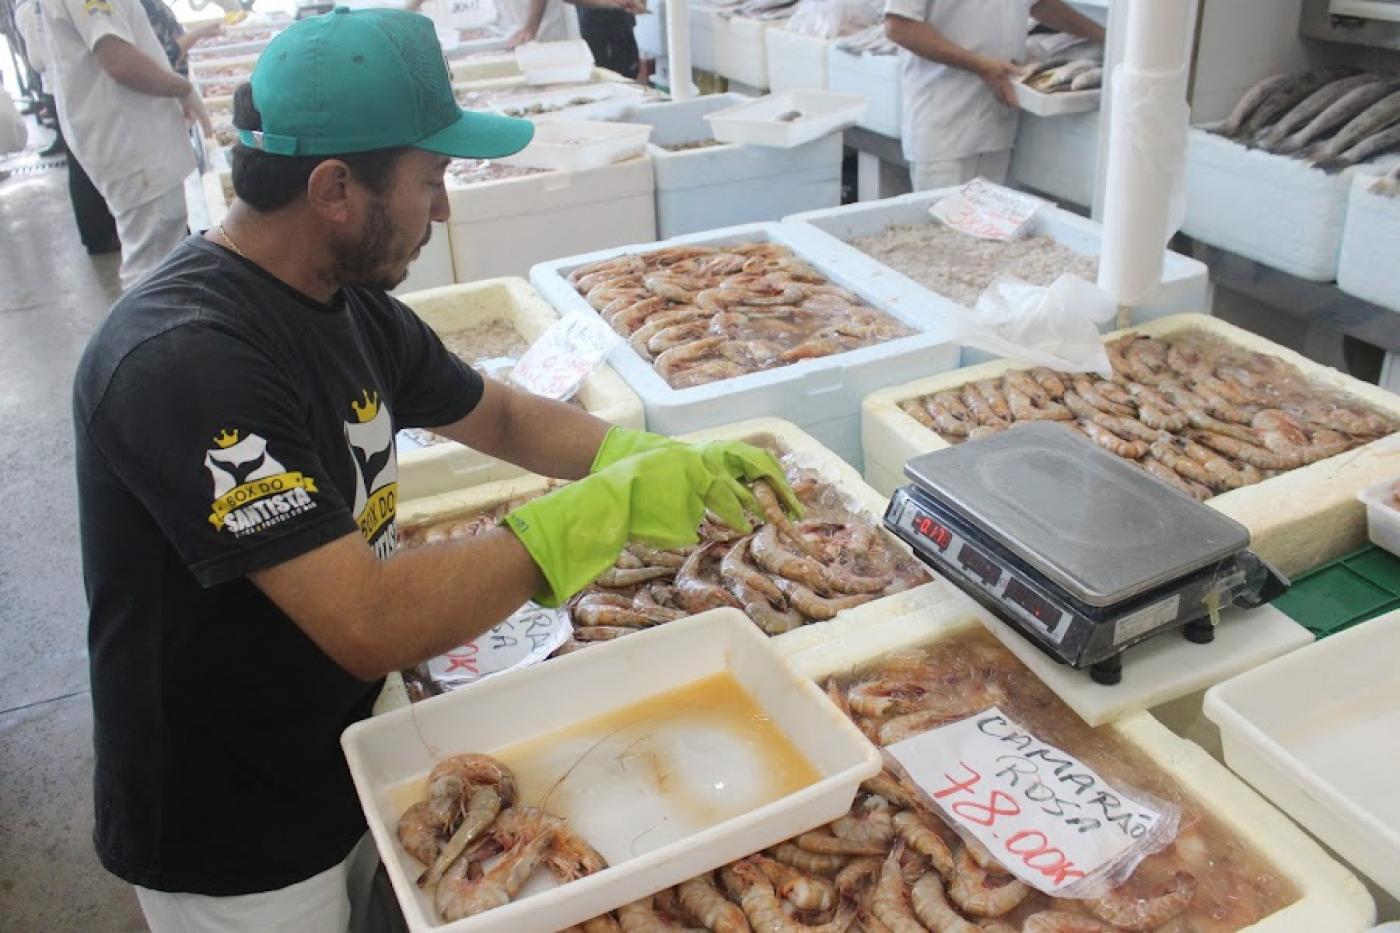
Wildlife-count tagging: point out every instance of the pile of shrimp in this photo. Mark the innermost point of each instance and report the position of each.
(783, 574)
(892, 863)
(1191, 410)
(700, 314)
(469, 817)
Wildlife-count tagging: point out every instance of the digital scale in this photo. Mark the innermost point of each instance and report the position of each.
(1079, 550)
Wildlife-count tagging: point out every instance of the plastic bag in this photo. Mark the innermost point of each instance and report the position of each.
(830, 19)
(1055, 325)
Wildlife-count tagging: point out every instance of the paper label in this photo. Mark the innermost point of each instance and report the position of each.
(1042, 813)
(1146, 619)
(556, 364)
(529, 636)
(990, 212)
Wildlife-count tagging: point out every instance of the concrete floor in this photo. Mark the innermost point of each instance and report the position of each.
(51, 296)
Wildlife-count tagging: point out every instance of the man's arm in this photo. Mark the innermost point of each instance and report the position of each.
(926, 42)
(1060, 15)
(130, 67)
(375, 616)
(539, 434)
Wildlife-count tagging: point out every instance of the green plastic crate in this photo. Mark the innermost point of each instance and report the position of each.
(1351, 589)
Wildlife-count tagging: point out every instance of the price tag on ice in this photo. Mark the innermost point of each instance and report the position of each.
(557, 363)
(990, 212)
(529, 636)
(1044, 814)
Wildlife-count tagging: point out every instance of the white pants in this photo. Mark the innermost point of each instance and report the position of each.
(149, 232)
(320, 904)
(945, 173)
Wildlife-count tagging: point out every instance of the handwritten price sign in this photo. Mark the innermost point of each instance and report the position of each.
(557, 363)
(527, 637)
(1044, 814)
(987, 211)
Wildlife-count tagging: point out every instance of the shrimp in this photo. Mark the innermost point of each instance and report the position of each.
(802, 890)
(932, 908)
(1146, 913)
(705, 372)
(615, 265)
(594, 615)
(990, 390)
(865, 824)
(922, 838)
(1021, 381)
(1025, 408)
(972, 891)
(817, 607)
(823, 842)
(485, 786)
(677, 335)
(1167, 449)
(571, 857)
(1062, 921)
(1251, 454)
(976, 403)
(603, 923)
(457, 896)
(619, 578)
(695, 593)
(641, 917)
(858, 875)
(1130, 429)
(890, 903)
(674, 254)
(945, 709)
(420, 829)
(881, 696)
(1128, 450)
(627, 319)
(671, 361)
(1050, 381)
(1096, 395)
(602, 632)
(1224, 474)
(778, 560)
(1155, 409)
(771, 506)
(735, 568)
(765, 910)
(817, 863)
(665, 286)
(708, 905)
(652, 557)
(950, 416)
(1166, 474)
(915, 409)
(1147, 359)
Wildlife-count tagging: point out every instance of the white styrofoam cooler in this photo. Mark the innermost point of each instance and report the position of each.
(1274, 209)
(822, 395)
(440, 468)
(387, 751)
(1370, 251)
(1382, 503)
(720, 186)
(1185, 283)
(876, 77)
(795, 62)
(1315, 731)
(1057, 156)
(503, 227)
(1297, 520)
(740, 54)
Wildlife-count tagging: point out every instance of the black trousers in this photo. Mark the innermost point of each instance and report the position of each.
(609, 35)
(96, 227)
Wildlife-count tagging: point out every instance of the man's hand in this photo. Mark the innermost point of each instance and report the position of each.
(206, 31)
(999, 75)
(195, 113)
(521, 36)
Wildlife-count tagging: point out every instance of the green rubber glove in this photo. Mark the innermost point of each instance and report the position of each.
(658, 498)
(620, 443)
(748, 463)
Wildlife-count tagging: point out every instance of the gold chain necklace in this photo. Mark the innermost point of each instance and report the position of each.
(232, 245)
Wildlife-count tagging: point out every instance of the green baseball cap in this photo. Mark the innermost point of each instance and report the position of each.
(355, 80)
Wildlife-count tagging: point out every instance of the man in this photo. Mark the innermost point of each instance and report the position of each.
(957, 64)
(124, 114)
(235, 420)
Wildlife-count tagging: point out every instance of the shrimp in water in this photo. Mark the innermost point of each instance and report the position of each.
(459, 896)
(1146, 913)
(976, 891)
(485, 786)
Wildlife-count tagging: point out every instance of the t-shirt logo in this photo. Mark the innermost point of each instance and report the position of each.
(94, 7)
(371, 440)
(252, 491)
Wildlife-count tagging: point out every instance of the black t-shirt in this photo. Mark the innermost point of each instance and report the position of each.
(227, 423)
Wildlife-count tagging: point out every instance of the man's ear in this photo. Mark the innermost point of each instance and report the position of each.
(328, 190)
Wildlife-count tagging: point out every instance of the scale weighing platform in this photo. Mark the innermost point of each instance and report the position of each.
(1080, 551)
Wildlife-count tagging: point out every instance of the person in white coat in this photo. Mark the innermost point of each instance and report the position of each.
(125, 113)
(958, 59)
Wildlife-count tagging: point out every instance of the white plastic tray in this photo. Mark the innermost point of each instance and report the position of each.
(579, 145)
(1057, 104)
(820, 395)
(1315, 731)
(606, 101)
(555, 62)
(821, 112)
(389, 750)
(1382, 517)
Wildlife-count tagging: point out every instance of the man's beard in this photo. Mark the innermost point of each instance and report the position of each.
(367, 261)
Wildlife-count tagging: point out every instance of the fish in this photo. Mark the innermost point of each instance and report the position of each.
(1372, 120)
(1081, 51)
(1088, 80)
(1061, 78)
(1337, 114)
(1249, 103)
(1287, 95)
(1377, 144)
(1387, 185)
(1312, 105)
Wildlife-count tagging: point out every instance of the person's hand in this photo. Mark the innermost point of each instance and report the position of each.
(635, 7)
(999, 75)
(206, 31)
(659, 498)
(749, 464)
(193, 106)
(521, 36)
(620, 443)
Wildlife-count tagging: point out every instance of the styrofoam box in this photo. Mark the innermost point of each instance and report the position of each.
(719, 186)
(1330, 898)
(821, 395)
(740, 54)
(503, 227)
(1370, 250)
(1057, 156)
(389, 750)
(875, 77)
(795, 62)
(1274, 209)
(608, 101)
(1297, 520)
(649, 34)
(486, 68)
(1185, 281)
(555, 62)
(1315, 731)
(1057, 104)
(440, 468)
(1382, 515)
(819, 113)
(579, 145)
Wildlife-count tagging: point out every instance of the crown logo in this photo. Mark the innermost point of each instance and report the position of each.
(366, 413)
(226, 439)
